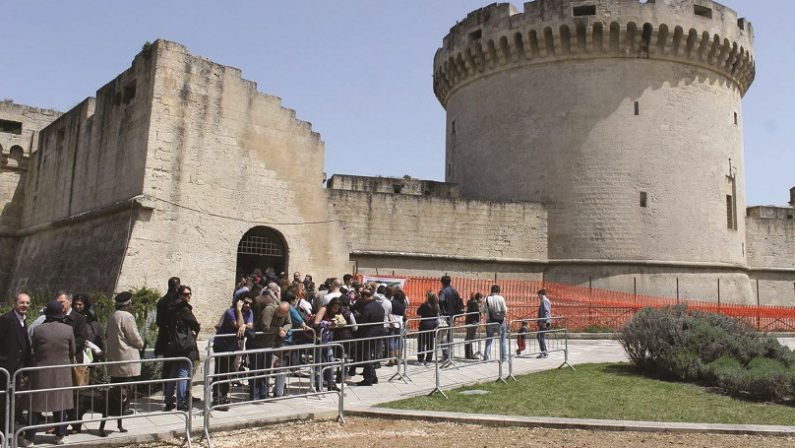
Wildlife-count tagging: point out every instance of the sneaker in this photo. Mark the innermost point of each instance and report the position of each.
(169, 407)
(182, 407)
(541, 356)
(59, 441)
(23, 442)
(364, 383)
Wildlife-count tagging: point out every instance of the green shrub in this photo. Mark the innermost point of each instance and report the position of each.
(712, 349)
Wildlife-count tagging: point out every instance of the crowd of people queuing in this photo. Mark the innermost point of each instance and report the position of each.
(266, 311)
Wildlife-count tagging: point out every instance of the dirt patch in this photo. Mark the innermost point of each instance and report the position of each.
(366, 433)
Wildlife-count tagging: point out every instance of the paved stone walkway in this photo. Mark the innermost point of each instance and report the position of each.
(420, 381)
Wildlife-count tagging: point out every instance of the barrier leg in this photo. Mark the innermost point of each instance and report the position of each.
(207, 401)
(341, 393)
(566, 353)
(510, 355)
(502, 333)
(436, 367)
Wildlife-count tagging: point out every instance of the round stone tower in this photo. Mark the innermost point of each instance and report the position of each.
(623, 117)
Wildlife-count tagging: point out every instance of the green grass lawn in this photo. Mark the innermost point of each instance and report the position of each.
(604, 391)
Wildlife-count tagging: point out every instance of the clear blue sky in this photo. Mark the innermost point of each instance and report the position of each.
(360, 71)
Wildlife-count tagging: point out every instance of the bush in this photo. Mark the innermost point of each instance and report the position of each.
(712, 349)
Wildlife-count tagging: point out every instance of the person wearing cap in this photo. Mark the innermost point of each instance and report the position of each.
(229, 332)
(124, 343)
(53, 344)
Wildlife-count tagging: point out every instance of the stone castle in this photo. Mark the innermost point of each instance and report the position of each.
(591, 142)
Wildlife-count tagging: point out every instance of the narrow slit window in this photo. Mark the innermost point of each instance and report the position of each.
(643, 199)
(736, 118)
(452, 127)
(729, 212)
(584, 10)
(637, 107)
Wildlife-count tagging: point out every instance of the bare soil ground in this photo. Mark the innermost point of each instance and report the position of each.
(366, 433)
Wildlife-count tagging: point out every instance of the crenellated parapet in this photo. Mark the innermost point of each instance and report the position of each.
(498, 37)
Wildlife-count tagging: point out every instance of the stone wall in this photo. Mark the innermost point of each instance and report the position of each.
(403, 185)
(223, 158)
(79, 255)
(429, 235)
(19, 136)
(771, 253)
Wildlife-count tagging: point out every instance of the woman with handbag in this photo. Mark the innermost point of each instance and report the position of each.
(182, 331)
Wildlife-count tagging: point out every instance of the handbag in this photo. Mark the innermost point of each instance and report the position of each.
(80, 375)
(180, 339)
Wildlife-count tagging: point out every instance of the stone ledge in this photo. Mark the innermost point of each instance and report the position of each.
(575, 423)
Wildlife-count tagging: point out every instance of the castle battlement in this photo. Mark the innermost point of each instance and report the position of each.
(499, 37)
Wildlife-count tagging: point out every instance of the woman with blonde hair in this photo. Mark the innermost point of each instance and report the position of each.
(429, 312)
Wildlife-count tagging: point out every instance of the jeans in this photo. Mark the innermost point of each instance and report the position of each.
(258, 387)
(447, 337)
(491, 330)
(57, 417)
(177, 370)
(542, 341)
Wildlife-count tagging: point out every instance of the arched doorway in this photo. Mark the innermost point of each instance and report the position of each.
(261, 247)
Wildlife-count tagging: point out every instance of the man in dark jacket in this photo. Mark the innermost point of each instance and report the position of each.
(450, 304)
(162, 318)
(371, 312)
(80, 329)
(14, 346)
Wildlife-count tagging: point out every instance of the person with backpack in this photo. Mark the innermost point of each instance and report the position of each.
(497, 311)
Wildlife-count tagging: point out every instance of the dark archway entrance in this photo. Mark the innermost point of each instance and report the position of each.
(263, 248)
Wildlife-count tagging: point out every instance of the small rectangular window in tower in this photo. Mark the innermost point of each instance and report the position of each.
(643, 199)
(736, 118)
(452, 127)
(584, 10)
(729, 212)
(475, 35)
(702, 11)
(11, 127)
(637, 107)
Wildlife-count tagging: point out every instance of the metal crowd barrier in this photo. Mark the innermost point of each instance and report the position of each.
(423, 341)
(276, 372)
(375, 348)
(440, 345)
(556, 338)
(237, 362)
(97, 398)
(8, 414)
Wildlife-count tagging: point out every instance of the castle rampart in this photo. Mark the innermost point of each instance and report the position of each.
(704, 34)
